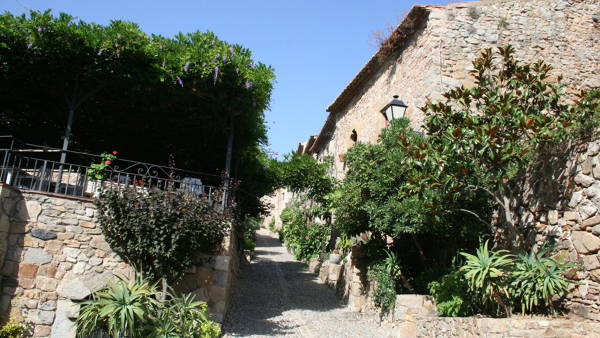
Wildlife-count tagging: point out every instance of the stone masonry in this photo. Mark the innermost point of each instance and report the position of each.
(55, 256)
(433, 50)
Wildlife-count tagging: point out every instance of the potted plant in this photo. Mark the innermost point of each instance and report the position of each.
(335, 257)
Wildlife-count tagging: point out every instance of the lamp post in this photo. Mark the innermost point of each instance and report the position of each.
(395, 109)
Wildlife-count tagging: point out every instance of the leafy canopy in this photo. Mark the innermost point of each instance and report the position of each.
(146, 95)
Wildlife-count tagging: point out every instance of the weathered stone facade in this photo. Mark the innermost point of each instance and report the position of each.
(56, 256)
(432, 50)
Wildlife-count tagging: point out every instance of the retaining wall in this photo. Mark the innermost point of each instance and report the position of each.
(54, 255)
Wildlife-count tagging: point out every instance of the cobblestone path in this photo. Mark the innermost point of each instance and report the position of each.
(276, 296)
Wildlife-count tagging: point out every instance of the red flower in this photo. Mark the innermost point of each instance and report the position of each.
(107, 162)
(114, 152)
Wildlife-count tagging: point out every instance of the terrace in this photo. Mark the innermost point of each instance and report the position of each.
(32, 167)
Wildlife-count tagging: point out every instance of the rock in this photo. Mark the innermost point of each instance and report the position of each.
(585, 242)
(595, 275)
(571, 216)
(98, 242)
(48, 305)
(42, 234)
(79, 268)
(586, 166)
(42, 331)
(47, 284)
(553, 217)
(40, 316)
(37, 256)
(587, 209)
(596, 230)
(63, 326)
(576, 198)
(591, 262)
(593, 149)
(221, 263)
(71, 252)
(28, 270)
(72, 287)
(584, 180)
(591, 222)
(96, 281)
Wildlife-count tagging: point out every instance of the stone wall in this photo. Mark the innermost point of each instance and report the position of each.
(56, 256)
(277, 201)
(558, 204)
(438, 56)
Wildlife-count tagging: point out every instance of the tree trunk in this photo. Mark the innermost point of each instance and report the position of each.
(420, 248)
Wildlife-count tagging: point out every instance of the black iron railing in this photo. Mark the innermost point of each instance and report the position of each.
(37, 168)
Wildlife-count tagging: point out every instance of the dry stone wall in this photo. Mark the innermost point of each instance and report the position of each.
(56, 256)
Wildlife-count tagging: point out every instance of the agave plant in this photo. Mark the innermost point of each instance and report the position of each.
(119, 309)
(539, 278)
(488, 274)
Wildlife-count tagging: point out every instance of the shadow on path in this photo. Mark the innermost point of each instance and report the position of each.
(275, 295)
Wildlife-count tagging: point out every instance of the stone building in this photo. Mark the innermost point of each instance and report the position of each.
(431, 52)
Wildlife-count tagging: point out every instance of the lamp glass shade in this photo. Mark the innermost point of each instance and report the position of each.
(395, 109)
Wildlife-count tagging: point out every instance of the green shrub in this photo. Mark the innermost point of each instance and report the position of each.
(248, 243)
(131, 309)
(385, 275)
(13, 329)
(452, 296)
(307, 239)
(492, 282)
(160, 231)
(539, 279)
(488, 276)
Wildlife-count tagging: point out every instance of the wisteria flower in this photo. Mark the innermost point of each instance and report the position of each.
(29, 45)
(216, 74)
(186, 67)
(180, 81)
(231, 50)
(224, 58)
(100, 52)
(248, 84)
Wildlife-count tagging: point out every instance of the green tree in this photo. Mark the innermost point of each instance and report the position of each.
(150, 97)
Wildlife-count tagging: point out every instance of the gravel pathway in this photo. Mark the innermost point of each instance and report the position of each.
(276, 296)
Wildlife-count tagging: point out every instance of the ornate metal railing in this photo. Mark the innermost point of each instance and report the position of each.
(33, 167)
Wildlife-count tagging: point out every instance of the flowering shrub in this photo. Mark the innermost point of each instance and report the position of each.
(306, 238)
(98, 171)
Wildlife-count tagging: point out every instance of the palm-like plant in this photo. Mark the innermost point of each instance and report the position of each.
(119, 309)
(487, 274)
(538, 278)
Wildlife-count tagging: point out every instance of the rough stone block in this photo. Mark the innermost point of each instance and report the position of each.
(222, 263)
(46, 284)
(590, 222)
(571, 216)
(217, 293)
(72, 288)
(98, 242)
(335, 271)
(63, 326)
(591, 262)
(40, 316)
(43, 234)
(585, 242)
(221, 278)
(584, 180)
(37, 256)
(27, 270)
(42, 331)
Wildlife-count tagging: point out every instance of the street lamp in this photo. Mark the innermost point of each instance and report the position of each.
(395, 109)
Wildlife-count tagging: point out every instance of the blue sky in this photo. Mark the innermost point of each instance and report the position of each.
(316, 47)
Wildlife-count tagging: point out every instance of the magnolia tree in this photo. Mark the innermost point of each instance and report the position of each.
(484, 137)
(434, 193)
